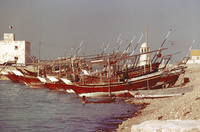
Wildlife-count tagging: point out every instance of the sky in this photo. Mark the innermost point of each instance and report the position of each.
(61, 25)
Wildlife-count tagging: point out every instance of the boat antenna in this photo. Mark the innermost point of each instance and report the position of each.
(156, 55)
(70, 53)
(137, 44)
(190, 48)
(84, 49)
(101, 48)
(79, 48)
(74, 49)
(127, 48)
(165, 38)
(117, 42)
(105, 48)
(119, 45)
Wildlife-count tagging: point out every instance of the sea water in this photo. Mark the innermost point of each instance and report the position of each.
(39, 110)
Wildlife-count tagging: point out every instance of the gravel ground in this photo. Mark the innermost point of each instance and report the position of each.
(184, 107)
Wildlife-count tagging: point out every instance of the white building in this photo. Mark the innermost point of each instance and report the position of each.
(14, 51)
(145, 58)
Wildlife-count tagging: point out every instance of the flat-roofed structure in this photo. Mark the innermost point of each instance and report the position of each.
(194, 56)
(14, 52)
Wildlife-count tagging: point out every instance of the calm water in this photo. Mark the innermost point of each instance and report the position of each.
(39, 109)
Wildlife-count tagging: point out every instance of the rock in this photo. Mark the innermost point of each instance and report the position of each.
(167, 126)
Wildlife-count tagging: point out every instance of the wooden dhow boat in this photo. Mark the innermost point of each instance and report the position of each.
(94, 90)
(142, 77)
(12, 77)
(56, 84)
(107, 100)
(171, 74)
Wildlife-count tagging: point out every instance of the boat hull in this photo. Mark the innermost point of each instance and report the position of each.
(171, 78)
(117, 88)
(33, 82)
(161, 93)
(58, 86)
(14, 78)
(134, 72)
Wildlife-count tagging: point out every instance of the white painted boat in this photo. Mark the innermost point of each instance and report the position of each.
(160, 93)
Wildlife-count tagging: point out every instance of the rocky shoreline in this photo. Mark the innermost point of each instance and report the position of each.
(183, 107)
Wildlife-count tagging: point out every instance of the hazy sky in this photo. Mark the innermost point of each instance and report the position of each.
(61, 24)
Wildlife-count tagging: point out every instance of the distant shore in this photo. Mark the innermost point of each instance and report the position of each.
(183, 107)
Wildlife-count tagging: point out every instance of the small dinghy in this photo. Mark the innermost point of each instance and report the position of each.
(108, 100)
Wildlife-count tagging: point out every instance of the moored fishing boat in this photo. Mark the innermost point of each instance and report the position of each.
(110, 80)
(12, 77)
(171, 74)
(118, 72)
(31, 73)
(107, 100)
(94, 90)
(57, 86)
(32, 81)
(161, 93)
(170, 77)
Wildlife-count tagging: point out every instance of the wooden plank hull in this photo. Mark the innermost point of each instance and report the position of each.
(136, 83)
(14, 78)
(31, 73)
(33, 82)
(125, 74)
(109, 100)
(171, 77)
(141, 70)
(57, 86)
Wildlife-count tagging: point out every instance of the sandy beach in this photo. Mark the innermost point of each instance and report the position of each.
(183, 107)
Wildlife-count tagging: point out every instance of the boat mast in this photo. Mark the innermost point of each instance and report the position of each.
(147, 36)
(128, 46)
(190, 48)
(156, 55)
(147, 59)
(137, 44)
(72, 64)
(116, 43)
(147, 43)
(109, 89)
